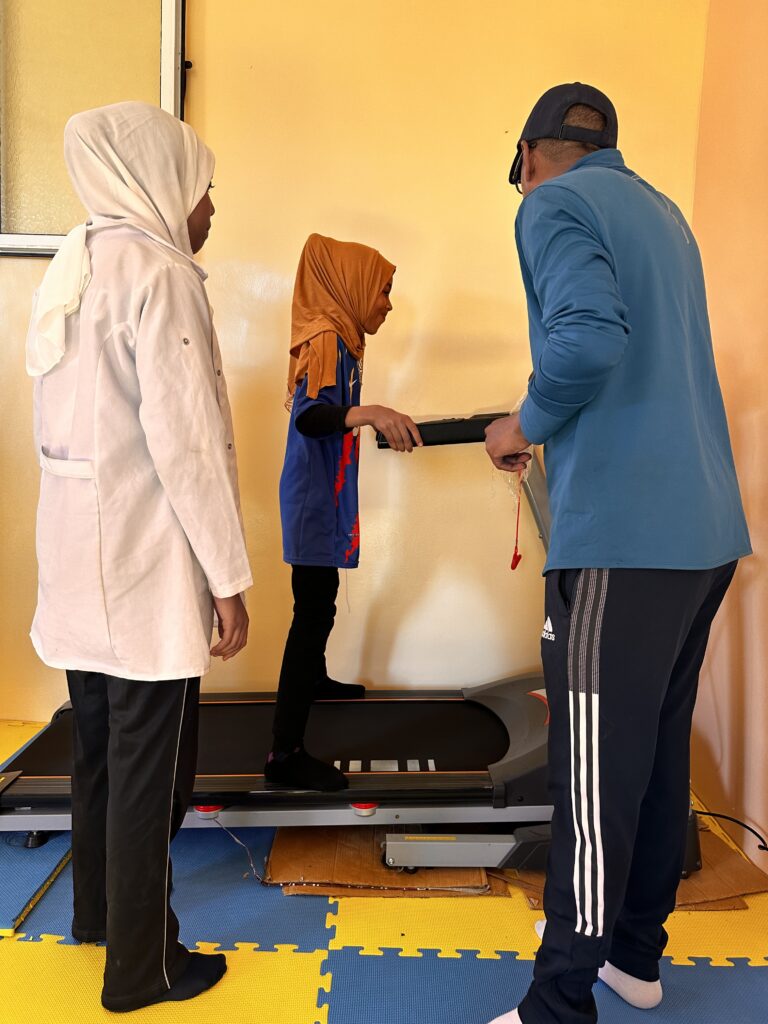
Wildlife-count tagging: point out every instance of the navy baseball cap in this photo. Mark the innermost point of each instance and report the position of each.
(546, 121)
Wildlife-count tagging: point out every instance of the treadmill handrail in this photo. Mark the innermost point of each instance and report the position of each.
(535, 488)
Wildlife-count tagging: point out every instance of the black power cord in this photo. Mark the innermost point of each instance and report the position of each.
(737, 821)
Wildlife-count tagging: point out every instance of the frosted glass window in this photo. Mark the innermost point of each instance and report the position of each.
(58, 57)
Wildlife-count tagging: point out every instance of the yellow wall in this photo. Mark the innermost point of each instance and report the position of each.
(730, 750)
(393, 124)
(57, 58)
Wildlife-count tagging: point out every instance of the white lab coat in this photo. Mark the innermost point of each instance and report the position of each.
(139, 520)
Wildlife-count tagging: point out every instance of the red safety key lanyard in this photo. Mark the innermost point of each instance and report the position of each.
(517, 557)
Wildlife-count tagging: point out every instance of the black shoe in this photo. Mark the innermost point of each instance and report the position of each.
(202, 972)
(329, 689)
(299, 770)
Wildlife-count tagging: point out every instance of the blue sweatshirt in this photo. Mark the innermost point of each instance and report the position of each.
(624, 394)
(318, 485)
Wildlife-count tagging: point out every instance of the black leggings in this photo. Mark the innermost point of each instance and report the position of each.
(314, 594)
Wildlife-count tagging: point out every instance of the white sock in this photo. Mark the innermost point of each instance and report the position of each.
(513, 1017)
(642, 994)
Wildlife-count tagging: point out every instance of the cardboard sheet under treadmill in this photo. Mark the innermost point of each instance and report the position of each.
(346, 861)
(725, 878)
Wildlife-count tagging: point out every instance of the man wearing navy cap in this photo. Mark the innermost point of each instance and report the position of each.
(647, 529)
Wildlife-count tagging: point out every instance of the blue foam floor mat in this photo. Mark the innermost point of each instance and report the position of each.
(24, 872)
(215, 897)
(391, 989)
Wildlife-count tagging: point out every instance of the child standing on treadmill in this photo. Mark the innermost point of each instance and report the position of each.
(341, 294)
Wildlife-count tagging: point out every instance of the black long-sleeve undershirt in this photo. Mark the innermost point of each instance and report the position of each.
(323, 420)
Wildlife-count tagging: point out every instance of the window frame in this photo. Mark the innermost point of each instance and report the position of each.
(171, 92)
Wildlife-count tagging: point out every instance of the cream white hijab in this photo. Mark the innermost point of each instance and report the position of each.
(130, 164)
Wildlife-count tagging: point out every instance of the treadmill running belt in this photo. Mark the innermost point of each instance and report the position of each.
(235, 737)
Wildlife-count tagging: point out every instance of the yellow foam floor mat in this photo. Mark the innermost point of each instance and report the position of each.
(721, 936)
(58, 984)
(491, 926)
(487, 924)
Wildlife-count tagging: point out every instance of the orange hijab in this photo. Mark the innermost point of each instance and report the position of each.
(337, 283)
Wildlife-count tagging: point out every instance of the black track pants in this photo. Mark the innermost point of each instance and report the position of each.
(135, 749)
(314, 594)
(622, 650)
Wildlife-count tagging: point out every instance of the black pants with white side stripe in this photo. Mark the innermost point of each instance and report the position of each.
(135, 750)
(622, 650)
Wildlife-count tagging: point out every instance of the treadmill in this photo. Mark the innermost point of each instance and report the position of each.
(460, 774)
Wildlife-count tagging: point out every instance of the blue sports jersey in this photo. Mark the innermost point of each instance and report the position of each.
(318, 485)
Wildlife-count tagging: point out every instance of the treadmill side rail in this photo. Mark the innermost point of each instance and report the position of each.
(520, 776)
(57, 819)
(6, 778)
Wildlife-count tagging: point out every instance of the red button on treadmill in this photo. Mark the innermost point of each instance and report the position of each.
(364, 810)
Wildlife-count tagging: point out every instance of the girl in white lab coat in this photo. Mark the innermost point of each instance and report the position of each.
(139, 533)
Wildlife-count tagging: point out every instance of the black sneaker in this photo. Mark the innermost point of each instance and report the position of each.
(299, 770)
(329, 689)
